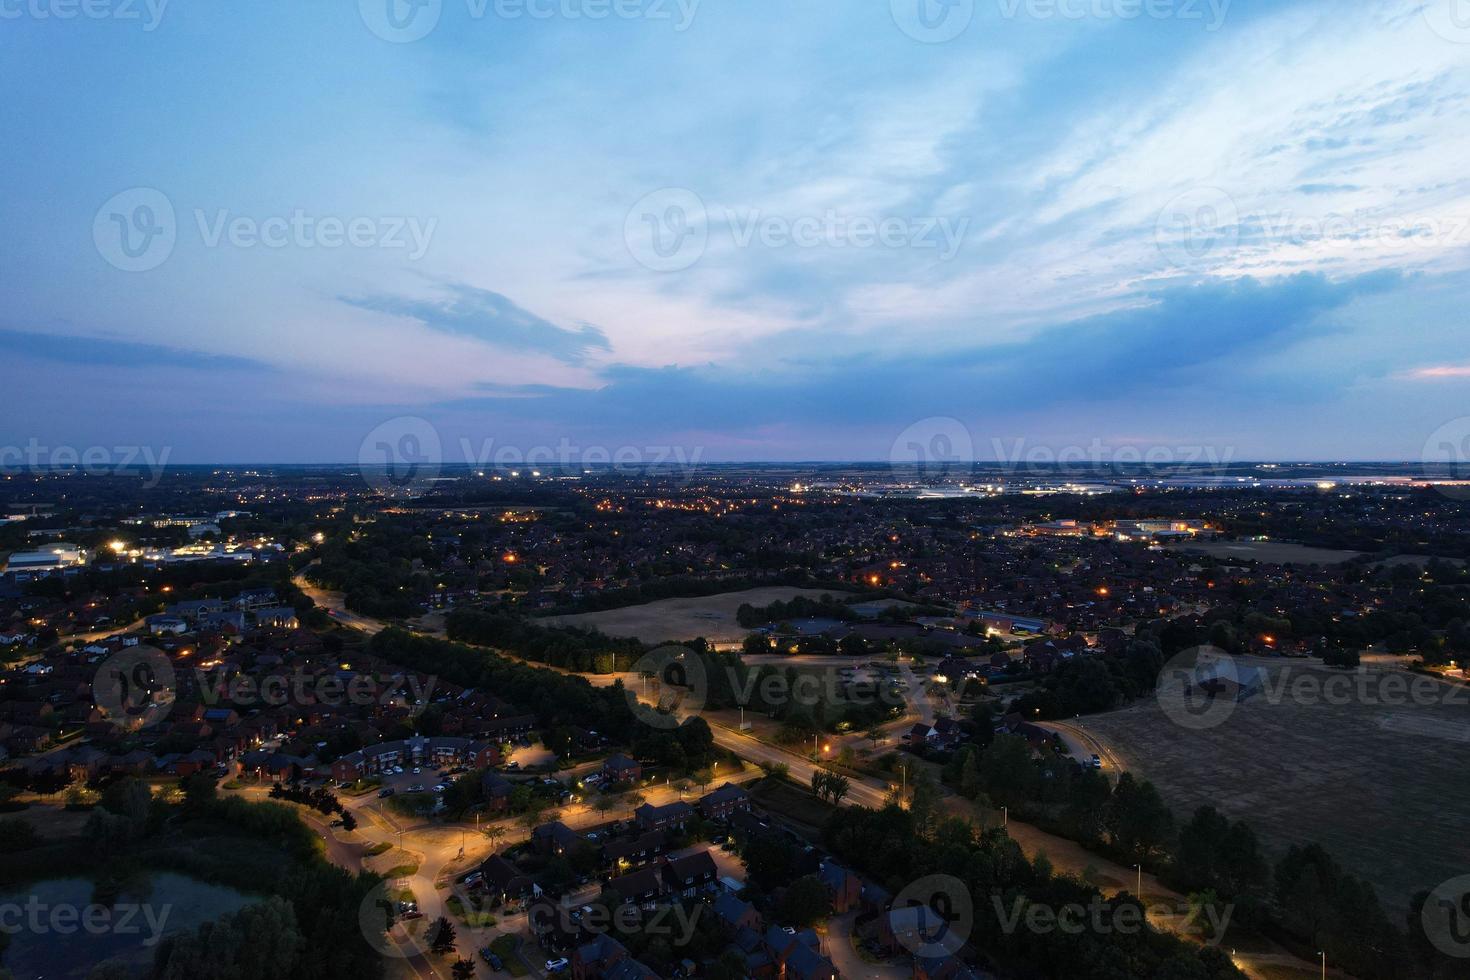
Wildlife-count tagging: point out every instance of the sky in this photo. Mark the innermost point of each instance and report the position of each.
(744, 229)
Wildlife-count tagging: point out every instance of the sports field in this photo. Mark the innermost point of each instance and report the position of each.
(711, 616)
(1374, 770)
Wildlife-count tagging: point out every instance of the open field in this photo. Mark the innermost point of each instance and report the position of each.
(1374, 774)
(1276, 552)
(711, 616)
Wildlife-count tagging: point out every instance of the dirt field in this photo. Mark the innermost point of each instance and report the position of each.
(1276, 552)
(1380, 785)
(712, 617)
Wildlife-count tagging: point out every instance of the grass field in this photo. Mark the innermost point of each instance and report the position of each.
(712, 616)
(1374, 775)
(1275, 552)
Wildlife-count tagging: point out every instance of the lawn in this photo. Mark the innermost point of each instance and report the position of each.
(1377, 784)
(1275, 552)
(711, 616)
(793, 802)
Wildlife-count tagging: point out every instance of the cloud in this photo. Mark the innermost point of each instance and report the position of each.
(1201, 338)
(495, 319)
(102, 352)
(1439, 372)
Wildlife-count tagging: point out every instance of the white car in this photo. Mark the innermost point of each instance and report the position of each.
(554, 965)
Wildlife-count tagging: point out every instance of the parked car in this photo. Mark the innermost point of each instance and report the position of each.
(491, 959)
(553, 966)
(1096, 761)
(386, 792)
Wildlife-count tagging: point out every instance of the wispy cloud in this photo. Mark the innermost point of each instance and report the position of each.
(1439, 372)
(494, 319)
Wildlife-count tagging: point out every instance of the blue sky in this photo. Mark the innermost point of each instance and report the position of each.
(758, 229)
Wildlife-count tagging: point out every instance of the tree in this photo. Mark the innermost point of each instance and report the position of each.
(199, 790)
(441, 935)
(838, 787)
(704, 777)
(349, 822)
(925, 804)
(970, 774)
(497, 833)
(806, 902)
(874, 735)
(1139, 822)
(603, 803)
(17, 835)
(633, 801)
(462, 969)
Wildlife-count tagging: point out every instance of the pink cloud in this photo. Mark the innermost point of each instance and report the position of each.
(1440, 371)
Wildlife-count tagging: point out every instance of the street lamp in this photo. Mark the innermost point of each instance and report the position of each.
(1005, 817)
(1323, 954)
(1140, 881)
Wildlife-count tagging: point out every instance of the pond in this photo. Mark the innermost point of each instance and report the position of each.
(58, 929)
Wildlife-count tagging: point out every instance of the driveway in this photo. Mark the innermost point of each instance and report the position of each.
(844, 956)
